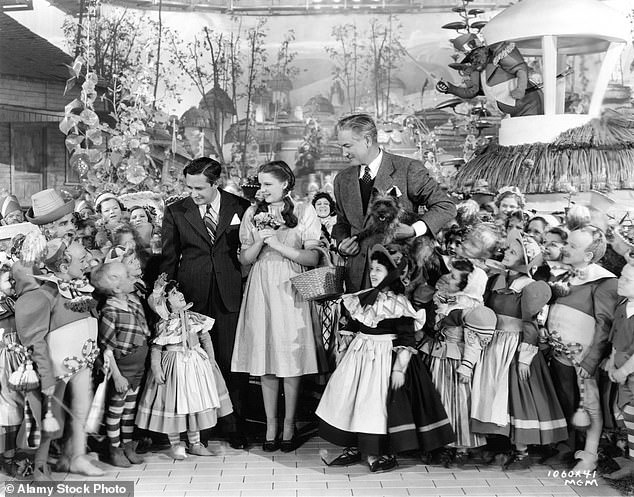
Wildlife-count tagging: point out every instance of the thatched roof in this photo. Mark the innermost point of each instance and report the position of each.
(596, 156)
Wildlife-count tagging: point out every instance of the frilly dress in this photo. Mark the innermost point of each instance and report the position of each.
(526, 411)
(194, 394)
(274, 335)
(358, 407)
(464, 328)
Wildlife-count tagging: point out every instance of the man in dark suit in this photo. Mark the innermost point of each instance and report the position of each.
(200, 251)
(374, 169)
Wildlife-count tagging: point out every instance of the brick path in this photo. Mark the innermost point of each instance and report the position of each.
(234, 473)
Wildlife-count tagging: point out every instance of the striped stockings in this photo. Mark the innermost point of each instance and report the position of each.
(193, 437)
(120, 416)
(628, 418)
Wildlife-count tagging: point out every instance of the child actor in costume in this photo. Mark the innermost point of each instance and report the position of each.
(464, 327)
(620, 366)
(123, 335)
(580, 318)
(185, 391)
(380, 400)
(513, 395)
(535, 413)
(11, 355)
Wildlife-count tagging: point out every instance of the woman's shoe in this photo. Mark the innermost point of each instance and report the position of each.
(292, 444)
(461, 458)
(177, 452)
(198, 449)
(518, 461)
(383, 463)
(288, 445)
(239, 442)
(350, 455)
(446, 456)
(271, 445)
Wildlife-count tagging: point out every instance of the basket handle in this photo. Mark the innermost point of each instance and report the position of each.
(325, 256)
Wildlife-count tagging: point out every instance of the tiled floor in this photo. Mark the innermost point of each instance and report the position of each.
(235, 473)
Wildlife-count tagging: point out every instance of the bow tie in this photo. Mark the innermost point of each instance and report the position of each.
(578, 273)
(75, 287)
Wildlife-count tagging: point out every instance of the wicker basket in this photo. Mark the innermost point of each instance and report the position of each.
(321, 283)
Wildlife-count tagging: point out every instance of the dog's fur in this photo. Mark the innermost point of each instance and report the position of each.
(384, 215)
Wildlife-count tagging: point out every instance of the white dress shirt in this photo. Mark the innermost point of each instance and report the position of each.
(215, 208)
(374, 166)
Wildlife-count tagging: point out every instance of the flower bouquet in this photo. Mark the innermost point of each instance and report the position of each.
(266, 220)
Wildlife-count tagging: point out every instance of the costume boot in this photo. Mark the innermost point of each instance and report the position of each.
(626, 468)
(587, 461)
(129, 449)
(118, 458)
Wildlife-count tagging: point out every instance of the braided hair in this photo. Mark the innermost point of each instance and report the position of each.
(282, 172)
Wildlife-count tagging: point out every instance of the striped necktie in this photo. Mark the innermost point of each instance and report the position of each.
(210, 223)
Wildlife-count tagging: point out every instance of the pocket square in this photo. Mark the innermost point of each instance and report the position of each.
(395, 191)
(235, 220)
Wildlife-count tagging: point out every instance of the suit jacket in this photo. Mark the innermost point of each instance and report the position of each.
(190, 258)
(418, 188)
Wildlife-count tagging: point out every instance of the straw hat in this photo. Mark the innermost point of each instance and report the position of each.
(48, 206)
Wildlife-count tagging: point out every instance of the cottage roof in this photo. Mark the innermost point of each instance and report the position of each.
(319, 103)
(217, 97)
(28, 55)
(195, 118)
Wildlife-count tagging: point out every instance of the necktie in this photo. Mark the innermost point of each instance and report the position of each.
(367, 177)
(210, 223)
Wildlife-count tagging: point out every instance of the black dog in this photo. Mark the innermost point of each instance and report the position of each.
(383, 218)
